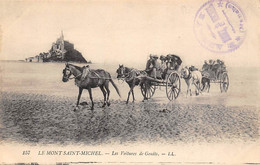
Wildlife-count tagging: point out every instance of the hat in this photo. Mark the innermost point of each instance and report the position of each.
(155, 56)
(162, 57)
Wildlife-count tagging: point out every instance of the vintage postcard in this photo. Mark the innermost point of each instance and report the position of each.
(130, 82)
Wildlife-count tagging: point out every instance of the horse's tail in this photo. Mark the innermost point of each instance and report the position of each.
(117, 90)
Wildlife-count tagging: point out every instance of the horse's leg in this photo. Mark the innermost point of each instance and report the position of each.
(79, 95)
(190, 83)
(196, 83)
(90, 96)
(208, 85)
(132, 90)
(133, 95)
(104, 94)
(130, 85)
(203, 83)
(187, 88)
(199, 87)
(108, 92)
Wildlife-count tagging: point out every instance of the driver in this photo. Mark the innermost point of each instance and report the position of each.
(152, 66)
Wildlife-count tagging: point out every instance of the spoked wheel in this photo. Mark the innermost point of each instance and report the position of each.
(224, 82)
(147, 90)
(173, 86)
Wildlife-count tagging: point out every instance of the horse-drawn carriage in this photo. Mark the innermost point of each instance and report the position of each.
(216, 73)
(164, 74)
(168, 78)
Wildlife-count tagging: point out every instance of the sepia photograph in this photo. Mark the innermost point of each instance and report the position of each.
(129, 82)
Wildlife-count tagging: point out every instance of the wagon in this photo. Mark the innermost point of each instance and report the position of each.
(217, 74)
(171, 80)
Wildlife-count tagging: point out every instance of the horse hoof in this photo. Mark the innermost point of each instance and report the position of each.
(84, 103)
(108, 104)
(75, 109)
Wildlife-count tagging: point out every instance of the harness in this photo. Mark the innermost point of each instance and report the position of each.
(189, 76)
(128, 74)
(75, 76)
(137, 72)
(98, 76)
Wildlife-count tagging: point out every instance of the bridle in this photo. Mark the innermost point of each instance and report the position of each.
(189, 75)
(67, 68)
(125, 76)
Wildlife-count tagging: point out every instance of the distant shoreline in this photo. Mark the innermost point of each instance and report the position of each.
(47, 62)
(108, 63)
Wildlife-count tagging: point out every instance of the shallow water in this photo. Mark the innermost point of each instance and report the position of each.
(46, 78)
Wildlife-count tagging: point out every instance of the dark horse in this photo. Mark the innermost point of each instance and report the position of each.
(94, 78)
(133, 77)
(205, 84)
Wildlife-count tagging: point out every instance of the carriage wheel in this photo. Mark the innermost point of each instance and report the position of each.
(224, 82)
(147, 90)
(173, 86)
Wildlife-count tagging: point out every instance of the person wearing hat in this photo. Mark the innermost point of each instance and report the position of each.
(148, 67)
(156, 67)
(205, 66)
(152, 66)
(211, 63)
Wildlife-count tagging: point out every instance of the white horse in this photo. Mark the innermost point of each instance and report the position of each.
(191, 77)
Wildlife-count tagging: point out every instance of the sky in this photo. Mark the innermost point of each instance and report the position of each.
(124, 32)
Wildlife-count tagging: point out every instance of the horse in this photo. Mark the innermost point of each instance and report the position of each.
(191, 77)
(133, 77)
(94, 78)
(205, 81)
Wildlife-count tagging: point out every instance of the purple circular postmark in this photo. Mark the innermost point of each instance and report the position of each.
(219, 26)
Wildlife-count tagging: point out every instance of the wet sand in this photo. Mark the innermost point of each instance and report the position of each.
(49, 119)
(37, 107)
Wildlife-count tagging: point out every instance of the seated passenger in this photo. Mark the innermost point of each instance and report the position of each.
(205, 66)
(163, 63)
(149, 65)
(193, 68)
(156, 73)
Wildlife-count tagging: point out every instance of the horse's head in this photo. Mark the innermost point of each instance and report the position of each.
(120, 71)
(66, 73)
(185, 72)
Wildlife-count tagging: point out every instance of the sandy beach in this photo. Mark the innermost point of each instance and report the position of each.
(36, 118)
(37, 108)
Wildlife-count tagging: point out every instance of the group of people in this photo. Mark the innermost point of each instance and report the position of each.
(158, 69)
(216, 66)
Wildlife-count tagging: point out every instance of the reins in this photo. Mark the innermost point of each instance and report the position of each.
(128, 74)
(75, 76)
(98, 76)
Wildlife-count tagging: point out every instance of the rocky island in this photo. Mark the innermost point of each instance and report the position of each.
(61, 51)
